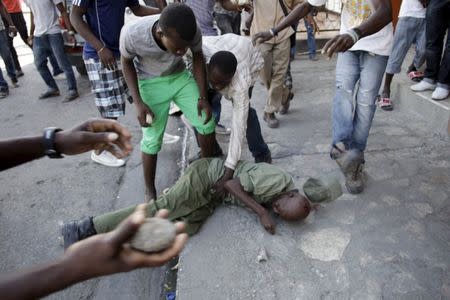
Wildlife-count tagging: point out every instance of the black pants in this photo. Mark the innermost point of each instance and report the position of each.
(438, 22)
(21, 26)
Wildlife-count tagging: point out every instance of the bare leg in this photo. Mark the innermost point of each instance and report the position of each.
(149, 162)
(387, 86)
(207, 144)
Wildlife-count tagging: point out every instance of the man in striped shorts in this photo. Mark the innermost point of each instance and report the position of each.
(101, 30)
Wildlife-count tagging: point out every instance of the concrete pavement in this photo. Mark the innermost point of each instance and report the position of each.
(391, 242)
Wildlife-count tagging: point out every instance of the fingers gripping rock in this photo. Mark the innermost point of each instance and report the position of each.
(154, 235)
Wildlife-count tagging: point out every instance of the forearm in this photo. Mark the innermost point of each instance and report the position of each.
(380, 18)
(130, 75)
(67, 22)
(234, 187)
(294, 16)
(161, 4)
(38, 281)
(31, 24)
(142, 11)
(14, 152)
(76, 18)
(199, 70)
(238, 129)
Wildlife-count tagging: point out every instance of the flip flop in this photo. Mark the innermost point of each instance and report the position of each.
(385, 103)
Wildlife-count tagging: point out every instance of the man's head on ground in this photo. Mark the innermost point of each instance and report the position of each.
(292, 206)
(177, 28)
(221, 69)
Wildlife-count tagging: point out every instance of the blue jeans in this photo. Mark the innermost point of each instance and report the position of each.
(43, 46)
(311, 39)
(3, 84)
(351, 123)
(6, 56)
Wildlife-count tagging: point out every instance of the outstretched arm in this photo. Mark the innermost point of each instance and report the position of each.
(298, 13)
(99, 255)
(235, 188)
(99, 134)
(142, 10)
(199, 70)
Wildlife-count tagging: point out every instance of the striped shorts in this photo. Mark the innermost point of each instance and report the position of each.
(109, 87)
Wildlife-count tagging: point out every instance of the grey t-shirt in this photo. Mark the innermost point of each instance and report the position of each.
(46, 18)
(137, 41)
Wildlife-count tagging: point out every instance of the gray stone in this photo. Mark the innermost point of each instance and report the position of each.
(326, 244)
(420, 209)
(391, 200)
(154, 235)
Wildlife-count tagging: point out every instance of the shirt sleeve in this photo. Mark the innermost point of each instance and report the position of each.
(265, 181)
(196, 45)
(126, 45)
(241, 104)
(317, 2)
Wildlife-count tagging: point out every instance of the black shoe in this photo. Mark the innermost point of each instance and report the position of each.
(266, 158)
(72, 95)
(49, 93)
(75, 231)
(351, 164)
(19, 73)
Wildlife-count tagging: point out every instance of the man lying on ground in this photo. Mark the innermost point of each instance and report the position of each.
(192, 198)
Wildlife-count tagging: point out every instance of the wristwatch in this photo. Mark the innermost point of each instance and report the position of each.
(49, 142)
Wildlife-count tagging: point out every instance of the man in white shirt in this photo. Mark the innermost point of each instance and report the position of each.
(410, 29)
(233, 66)
(364, 45)
(46, 37)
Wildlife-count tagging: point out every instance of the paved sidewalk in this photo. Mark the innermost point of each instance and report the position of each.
(390, 242)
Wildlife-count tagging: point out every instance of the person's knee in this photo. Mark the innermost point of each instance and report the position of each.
(208, 128)
(151, 147)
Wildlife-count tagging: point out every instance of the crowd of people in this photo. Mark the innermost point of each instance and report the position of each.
(173, 54)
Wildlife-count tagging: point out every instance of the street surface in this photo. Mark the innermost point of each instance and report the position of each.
(390, 242)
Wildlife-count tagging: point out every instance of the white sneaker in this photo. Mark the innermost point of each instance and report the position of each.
(170, 139)
(60, 76)
(423, 86)
(440, 93)
(107, 159)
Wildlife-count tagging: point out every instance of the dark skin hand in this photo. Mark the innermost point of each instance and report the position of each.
(98, 255)
(424, 2)
(234, 187)
(94, 134)
(219, 186)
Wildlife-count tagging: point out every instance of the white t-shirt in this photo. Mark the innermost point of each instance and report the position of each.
(412, 8)
(137, 42)
(355, 12)
(46, 18)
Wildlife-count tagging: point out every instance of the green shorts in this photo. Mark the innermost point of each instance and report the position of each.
(157, 93)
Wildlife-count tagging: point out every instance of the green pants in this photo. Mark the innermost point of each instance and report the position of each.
(189, 200)
(157, 93)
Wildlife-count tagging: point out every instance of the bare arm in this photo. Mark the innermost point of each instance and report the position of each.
(142, 11)
(234, 187)
(161, 4)
(299, 12)
(130, 75)
(32, 27)
(92, 134)
(199, 69)
(228, 5)
(377, 20)
(76, 16)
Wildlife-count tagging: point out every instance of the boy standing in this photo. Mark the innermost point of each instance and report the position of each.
(152, 50)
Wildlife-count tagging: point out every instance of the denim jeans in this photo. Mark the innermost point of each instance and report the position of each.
(358, 76)
(438, 14)
(43, 46)
(311, 39)
(3, 83)
(6, 55)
